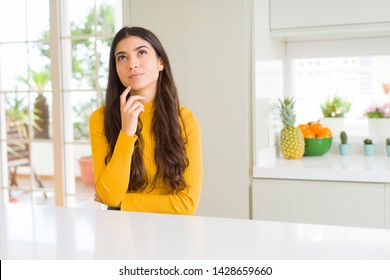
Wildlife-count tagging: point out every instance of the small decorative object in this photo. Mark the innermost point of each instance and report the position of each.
(388, 146)
(378, 119)
(369, 147)
(344, 147)
(334, 110)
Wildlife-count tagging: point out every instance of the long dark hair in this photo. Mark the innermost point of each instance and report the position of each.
(170, 155)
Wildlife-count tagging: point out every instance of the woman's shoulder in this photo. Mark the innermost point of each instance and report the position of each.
(97, 115)
(190, 121)
(187, 114)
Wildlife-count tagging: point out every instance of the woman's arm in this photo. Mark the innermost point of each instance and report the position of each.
(111, 180)
(183, 202)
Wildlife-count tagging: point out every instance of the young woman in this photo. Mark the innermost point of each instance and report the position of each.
(146, 148)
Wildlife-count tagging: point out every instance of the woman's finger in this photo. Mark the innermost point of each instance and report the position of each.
(135, 106)
(124, 96)
(132, 99)
(97, 198)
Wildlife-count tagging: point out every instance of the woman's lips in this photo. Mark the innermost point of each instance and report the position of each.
(136, 75)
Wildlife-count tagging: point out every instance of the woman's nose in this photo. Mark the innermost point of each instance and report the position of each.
(133, 64)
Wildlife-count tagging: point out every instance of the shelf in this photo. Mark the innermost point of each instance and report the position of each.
(330, 167)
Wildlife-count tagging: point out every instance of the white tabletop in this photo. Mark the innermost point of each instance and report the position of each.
(44, 232)
(330, 167)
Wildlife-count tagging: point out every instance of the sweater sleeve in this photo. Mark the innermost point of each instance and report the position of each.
(111, 180)
(186, 201)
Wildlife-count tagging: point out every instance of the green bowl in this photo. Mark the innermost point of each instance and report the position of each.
(317, 146)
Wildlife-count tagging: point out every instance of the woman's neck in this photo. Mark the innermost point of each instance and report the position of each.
(148, 93)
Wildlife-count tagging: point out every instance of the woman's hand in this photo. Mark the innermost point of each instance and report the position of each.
(130, 110)
(97, 198)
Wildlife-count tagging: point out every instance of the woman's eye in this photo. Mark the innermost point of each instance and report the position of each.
(142, 52)
(120, 57)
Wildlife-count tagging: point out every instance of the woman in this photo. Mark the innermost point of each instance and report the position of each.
(146, 148)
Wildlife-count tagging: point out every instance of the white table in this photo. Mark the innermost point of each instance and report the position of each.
(44, 232)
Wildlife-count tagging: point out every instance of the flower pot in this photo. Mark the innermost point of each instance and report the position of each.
(388, 150)
(344, 149)
(336, 125)
(379, 127)
(369, 149)
(86, 169)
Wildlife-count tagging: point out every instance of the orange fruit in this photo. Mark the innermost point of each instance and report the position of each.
(308, 134)
(325, 133)
(303, 127)
(316, 127)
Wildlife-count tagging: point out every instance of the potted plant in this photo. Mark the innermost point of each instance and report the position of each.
(344, 147)
(388, 146)
(369, 147)
(81, 133)
(378, 119)
(333, 111)
(41, 108)
(18, 120)
(86, 169)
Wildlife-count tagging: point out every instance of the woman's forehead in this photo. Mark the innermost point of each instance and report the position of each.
(132, 43)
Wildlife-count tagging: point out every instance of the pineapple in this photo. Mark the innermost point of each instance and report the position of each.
(292, 143)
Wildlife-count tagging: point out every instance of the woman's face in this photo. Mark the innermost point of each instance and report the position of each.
(137, 65)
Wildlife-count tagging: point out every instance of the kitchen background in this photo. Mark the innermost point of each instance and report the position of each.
(231, 59)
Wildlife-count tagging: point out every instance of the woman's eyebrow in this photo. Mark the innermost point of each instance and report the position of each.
(136, 49)
(121, 52)
(140, 47)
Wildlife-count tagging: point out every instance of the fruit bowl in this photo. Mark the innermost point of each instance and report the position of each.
(317, 146)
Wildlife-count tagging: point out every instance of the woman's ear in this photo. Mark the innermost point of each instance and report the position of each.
(160, 65)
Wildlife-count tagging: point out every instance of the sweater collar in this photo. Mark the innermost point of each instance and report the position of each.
(149, 107)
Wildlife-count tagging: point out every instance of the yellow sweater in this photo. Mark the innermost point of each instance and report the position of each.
(111, 180)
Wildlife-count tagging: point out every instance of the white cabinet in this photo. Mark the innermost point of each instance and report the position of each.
(320, 202)
(349, 15)
(387, 206)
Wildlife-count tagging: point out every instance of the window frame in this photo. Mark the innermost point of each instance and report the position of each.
(61, 167)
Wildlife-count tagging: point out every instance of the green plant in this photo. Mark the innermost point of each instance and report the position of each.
(343, 137)
(17, 118)
(82, 112)
(41, 108)
(367, 141)
(84, 62)
(335, 107)
(388, 141)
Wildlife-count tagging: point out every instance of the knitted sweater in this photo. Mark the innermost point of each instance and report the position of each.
(111, 180)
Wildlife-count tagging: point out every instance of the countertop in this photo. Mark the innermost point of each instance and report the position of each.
(46, 232)
(330, 167)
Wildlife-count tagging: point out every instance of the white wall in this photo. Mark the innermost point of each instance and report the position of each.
(209, 43)
(270, 69)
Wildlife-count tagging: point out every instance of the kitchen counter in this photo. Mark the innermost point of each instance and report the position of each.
(330, 167)
(45, 232)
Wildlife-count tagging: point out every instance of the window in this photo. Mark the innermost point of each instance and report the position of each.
(359, 79)
(87, 30)
(26, 114)
(355, 69)
(25, 93)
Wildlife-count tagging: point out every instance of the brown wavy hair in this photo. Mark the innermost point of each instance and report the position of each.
(170, 155)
